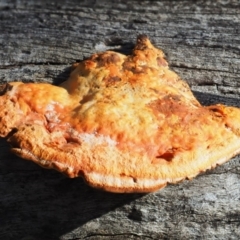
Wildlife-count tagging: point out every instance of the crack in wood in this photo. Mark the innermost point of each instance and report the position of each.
(181, 66)
(122, 235)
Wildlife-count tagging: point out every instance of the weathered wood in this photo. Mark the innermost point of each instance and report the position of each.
(39, 40)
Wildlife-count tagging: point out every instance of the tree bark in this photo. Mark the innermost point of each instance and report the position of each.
(39, 40)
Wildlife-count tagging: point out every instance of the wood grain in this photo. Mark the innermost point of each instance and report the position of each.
(39, 40)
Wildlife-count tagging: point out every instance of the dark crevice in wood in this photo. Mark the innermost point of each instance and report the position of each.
(32, 64)
(211, 99)
(181, 66)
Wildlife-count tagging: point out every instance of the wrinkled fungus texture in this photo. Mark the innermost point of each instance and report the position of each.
(124, 123)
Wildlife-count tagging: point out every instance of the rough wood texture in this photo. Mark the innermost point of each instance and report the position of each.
(38, 42)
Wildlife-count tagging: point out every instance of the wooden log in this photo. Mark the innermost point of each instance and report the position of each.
(39, 40)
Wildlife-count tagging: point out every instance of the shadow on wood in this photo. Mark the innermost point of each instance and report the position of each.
(42, 203)
(207, 99)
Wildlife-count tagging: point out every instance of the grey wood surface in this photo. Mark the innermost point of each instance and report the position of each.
(39, 40)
